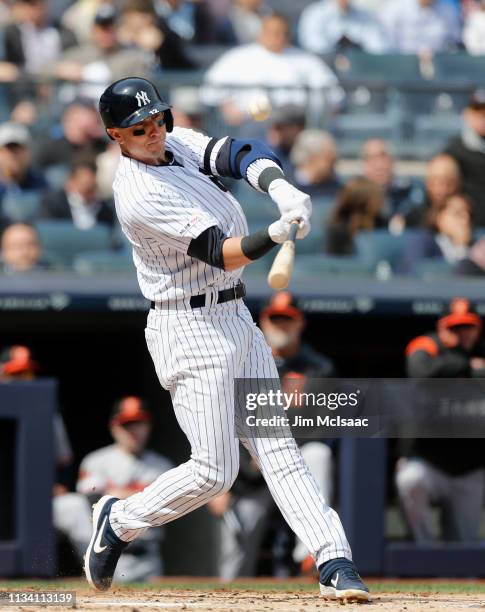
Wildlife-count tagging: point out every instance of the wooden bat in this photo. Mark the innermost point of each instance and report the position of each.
(280, 273)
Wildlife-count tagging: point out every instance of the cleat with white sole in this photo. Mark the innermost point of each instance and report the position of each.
(104, 548)
(340, 580)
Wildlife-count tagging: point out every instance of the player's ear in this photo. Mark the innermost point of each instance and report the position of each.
(114, 134)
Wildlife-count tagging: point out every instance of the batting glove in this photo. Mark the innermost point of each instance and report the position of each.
(288, 197)
(279, 230)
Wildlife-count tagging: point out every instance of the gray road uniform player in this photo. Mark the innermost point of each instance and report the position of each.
(190, 245)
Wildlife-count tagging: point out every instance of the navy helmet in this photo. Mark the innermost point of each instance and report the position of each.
(130, 101)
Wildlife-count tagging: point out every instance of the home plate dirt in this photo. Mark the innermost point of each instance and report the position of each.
(253, 601)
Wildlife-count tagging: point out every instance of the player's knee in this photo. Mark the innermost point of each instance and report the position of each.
(217, 479)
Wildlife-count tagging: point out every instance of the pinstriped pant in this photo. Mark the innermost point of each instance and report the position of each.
(197, 355)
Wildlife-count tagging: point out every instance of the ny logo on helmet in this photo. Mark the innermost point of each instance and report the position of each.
(142, 98)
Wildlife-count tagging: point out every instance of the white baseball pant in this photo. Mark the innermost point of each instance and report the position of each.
(197, 355)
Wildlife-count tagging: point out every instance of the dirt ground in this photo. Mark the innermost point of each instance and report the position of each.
(255, 601)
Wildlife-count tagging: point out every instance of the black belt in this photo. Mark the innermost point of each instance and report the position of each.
(226, 295)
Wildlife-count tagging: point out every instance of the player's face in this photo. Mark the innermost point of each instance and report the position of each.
(281, 331)
(144, 141)
(132, 437)
(468, 336)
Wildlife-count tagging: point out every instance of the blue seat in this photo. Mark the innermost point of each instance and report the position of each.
(56, 175)
(94, 262)
(434, 268)
(63, 240)
(329, 265)
(436, 130)
(378, 245)
(352, 130)
(380, 68)
(313, 243)
(21, 206)
(460, 67)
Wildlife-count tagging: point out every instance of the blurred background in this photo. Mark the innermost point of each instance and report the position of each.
(377, 110)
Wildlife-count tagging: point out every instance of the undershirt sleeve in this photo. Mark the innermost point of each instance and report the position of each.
(207, 247)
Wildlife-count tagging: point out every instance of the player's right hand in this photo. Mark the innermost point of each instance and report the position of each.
(279, 230)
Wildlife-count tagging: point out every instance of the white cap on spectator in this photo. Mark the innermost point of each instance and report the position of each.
(186, 99)
(13, 133)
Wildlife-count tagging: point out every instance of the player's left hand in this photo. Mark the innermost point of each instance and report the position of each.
(279, 230)
(288, 197)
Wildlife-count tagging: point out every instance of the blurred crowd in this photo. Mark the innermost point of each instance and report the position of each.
(265, 70)
(60, 183)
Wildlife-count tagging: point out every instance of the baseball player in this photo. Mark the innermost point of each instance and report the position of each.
(448, 473)
(121, 469)
(190, 244)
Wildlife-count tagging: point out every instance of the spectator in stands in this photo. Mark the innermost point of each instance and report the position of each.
(21, 184)
(359, 207)
(80, 133)
(140, 26)
(30, 43)
(246, 18)
(247, 509)
(474, 30)
(192, 21)
(448, 472)
(285, 124)
(21, 250)
(78, 201)
(421, 27)
(314, 156)
(468, 150)
(187, 108)
(124, 468)
(327, 26)
(17, 363)
(442, 180)
(448, 234)
(474, 263)
(103, 59)
(270, 62)
(401, 194)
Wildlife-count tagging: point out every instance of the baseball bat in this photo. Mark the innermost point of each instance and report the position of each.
(280, 273)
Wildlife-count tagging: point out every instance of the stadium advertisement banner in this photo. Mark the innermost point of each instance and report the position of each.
(365, 408)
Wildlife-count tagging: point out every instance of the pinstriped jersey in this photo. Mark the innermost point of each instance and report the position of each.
(162, 208)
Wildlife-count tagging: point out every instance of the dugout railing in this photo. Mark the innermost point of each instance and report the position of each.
(27, 542)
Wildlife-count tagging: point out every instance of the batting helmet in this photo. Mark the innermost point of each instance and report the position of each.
(130, 101)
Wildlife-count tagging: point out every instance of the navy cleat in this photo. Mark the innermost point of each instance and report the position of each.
(340, 580)
(105, 547)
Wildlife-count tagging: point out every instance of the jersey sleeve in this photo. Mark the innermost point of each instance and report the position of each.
(165, 217)
(196, 142)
